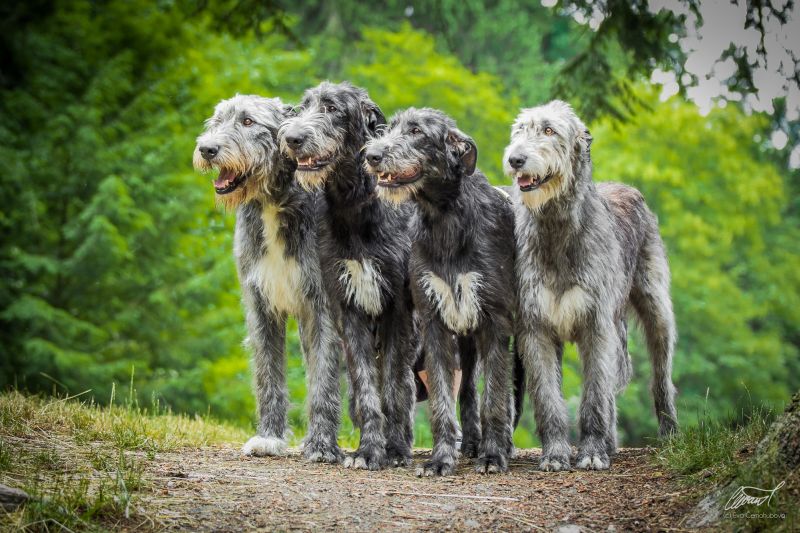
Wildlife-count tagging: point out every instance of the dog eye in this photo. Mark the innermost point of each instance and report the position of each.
(248, 122)
(549, 131)
(415, 131)
(330, 109)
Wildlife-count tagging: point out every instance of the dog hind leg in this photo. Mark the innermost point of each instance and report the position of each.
(321, 352)
(468, 397)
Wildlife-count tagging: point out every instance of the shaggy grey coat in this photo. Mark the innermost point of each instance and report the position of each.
(462, 279)
(275, 245)
(364, 250)
(586, 254)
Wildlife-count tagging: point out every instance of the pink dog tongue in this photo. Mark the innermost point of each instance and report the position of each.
(225, 178)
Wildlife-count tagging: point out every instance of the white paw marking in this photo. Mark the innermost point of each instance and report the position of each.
(593, 462)
(552, 465)
(262, 446)
(362, 282)
(460, 310)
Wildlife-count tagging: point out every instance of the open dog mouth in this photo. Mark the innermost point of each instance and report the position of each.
(398, 179)
(228, 181)
(526, 182)
(308, 164)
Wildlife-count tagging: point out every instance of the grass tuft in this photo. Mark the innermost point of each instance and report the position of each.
(714, 449)
(80, 462)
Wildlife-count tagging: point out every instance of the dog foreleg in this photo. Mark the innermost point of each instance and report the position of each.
(496, 405)
(440, 347)
(267, 333)
(359, 346)
(468, 397)
(542, 357)
(398, 390)
(598, 350)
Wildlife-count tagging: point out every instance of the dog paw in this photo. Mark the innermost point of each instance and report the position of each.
(259, 446)
(470, 448)
(491, 464)
(554, 463)
(397, 457)
(319, 451)
(593, 461)
(436, 468)
(366, 459)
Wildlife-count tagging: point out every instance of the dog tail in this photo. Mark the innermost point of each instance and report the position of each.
(519, 384)
(652, 303)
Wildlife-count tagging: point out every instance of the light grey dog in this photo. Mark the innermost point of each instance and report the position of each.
(275, 245)
(586, 253)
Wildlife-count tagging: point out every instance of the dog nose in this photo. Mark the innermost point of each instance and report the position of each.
(295, 140)
(209, 152)
(374, 157)
(517, 161)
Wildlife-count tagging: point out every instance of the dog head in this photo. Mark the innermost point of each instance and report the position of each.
(333, 122)
(549, 148)
(241, 142)
(421, 147)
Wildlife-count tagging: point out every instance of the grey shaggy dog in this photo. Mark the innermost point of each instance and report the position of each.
(462, 279)
(275, 246)
(364, 250)
(586, 253)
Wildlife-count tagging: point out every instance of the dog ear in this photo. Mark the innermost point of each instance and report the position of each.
(288, 111)
(372, 117)
(583, 142)
(463, 150)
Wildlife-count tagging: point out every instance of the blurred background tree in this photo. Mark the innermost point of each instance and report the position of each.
(115, 260)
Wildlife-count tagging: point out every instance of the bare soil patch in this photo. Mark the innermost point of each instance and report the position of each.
(216, 489)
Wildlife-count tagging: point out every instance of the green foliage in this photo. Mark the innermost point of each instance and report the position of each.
(115, 260)
(402, 69)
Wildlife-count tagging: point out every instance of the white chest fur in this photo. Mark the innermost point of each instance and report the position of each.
(362, 282)
(279, 277)
(562, 310)
(460, 308)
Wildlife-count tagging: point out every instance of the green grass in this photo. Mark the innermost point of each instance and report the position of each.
(714, 449)
(723, 455)
(82, 464)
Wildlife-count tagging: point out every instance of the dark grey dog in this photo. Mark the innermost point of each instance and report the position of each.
(585, 254)
(462, 276)
(364, 249)
(275, 245)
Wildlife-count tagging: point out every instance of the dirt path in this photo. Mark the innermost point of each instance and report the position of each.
(215, 489)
